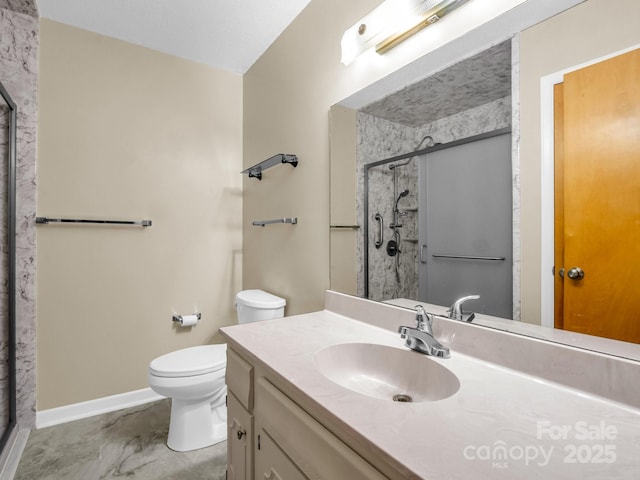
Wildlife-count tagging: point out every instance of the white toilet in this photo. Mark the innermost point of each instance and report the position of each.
(194, 379)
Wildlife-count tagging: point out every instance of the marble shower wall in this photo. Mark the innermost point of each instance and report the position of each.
(19, 35)
(379, 139)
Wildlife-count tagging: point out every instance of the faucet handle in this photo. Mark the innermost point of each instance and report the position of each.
(423, 319)
(420, 313)
(420, 316)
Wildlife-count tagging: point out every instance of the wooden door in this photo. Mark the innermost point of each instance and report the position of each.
(598, 151)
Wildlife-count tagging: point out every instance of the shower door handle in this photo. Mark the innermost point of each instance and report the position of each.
(422, 248)
(380, 240)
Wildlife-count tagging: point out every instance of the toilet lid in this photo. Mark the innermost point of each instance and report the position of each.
(259, 299)
(190, 361)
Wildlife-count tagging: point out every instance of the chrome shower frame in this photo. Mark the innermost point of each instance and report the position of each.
(432, 147)
(11, 265)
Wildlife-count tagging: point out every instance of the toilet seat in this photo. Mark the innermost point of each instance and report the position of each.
(190, 361)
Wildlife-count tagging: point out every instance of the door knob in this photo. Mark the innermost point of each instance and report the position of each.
(576, 273)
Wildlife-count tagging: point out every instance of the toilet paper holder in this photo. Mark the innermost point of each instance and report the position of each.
(180, 318)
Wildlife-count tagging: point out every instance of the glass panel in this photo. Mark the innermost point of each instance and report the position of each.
(5, 386)
(393, 205)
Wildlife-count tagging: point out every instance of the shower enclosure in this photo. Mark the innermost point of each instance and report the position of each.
(390, 253)
(438, 224)
(8, 118)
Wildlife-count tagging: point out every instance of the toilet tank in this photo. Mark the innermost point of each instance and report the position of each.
(256, 305)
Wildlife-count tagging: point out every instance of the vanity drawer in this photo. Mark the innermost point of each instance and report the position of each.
(272, 463)
(239, 378)
(313, 448)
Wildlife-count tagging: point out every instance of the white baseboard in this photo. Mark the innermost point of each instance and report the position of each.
(76, 411)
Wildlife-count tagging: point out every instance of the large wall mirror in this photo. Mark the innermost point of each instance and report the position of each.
(445, 186)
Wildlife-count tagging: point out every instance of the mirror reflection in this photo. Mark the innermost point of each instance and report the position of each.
(437, 199)
(442, 213)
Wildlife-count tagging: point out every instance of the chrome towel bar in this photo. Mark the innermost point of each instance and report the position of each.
(46, 220)
(469, 257)
(262, 223)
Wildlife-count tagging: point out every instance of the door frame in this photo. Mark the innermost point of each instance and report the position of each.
(547, 128)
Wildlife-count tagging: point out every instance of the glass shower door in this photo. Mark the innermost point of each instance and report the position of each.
(466, 224)
(391, 205)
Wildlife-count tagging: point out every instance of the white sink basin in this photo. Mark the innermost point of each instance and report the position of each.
(386, 372)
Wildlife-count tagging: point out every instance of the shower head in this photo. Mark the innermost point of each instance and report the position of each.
(404, 193)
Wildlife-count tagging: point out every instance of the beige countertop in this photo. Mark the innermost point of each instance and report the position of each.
(500, 423)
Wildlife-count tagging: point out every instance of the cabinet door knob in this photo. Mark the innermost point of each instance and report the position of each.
(241, 433)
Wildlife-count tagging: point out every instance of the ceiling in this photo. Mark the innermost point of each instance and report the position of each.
(226, 34)
(470, 83)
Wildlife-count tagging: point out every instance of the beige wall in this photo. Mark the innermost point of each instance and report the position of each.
(287, 95)
(130, 133)
(587, 31)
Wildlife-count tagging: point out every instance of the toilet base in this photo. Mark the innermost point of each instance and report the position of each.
(196, 424)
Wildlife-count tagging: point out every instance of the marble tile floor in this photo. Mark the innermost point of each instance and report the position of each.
(129, 443)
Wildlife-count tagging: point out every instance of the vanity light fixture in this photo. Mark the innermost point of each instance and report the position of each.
(391, 23)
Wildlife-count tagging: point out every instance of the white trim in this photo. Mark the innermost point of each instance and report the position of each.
(76, 411)
(547, 206)
(547, 181)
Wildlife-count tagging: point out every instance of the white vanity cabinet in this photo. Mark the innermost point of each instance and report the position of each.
(288, 443)
(272, 463)
(239, 440)
(240, 433)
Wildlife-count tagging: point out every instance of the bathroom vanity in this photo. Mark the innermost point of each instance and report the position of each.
(271, 433)
(312, 396)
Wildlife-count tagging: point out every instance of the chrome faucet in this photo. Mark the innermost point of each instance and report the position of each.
(421, 337)
(455, 311)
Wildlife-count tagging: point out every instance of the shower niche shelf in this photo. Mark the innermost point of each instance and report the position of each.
(280, 158)
(410, 240)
